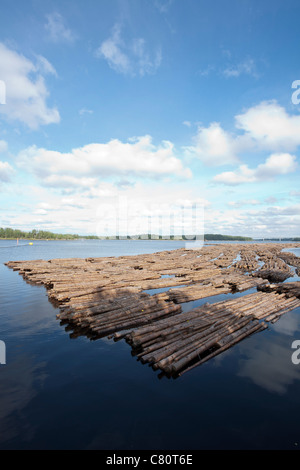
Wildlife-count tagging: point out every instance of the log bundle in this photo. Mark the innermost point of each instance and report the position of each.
(206, 331)
(105, 296)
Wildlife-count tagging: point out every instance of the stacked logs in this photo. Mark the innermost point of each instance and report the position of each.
(106, 296)
(274, 270)
(218, 285)
(202, 333)
(290, 289)
(248, 261)
(291, 259)
(117, 314)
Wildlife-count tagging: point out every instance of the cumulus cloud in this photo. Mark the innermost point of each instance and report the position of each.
(270, 126)
(138, 157)
(276, 164)
(265, 127)
(214, 146)
(26, 91)
(276, 211)
(57, 30)
(105, 209)
(131, 58)
(274, 221)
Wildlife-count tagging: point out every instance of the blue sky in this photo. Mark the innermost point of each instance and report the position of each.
(141, 108)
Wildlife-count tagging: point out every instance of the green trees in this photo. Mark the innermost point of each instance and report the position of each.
(35, 234)
(211, 236)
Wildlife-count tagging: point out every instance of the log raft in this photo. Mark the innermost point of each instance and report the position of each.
(117, 297)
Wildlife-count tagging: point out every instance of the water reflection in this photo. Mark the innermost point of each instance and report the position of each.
(268, 363)
(22, 379)
(288, 324)
(57, 393)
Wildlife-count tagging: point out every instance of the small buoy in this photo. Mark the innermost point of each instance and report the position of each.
(30, 243)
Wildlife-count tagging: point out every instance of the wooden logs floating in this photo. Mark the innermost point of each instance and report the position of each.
(98, 297)
(290, 289)
(125, 312)
(206, 331)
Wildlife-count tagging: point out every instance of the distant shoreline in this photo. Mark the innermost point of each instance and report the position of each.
(297, 239)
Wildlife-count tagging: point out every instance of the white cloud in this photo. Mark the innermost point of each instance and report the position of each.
(26, 92)
(232, 70)
(44, 66)
(144, 63)
(110, 50)
(247, 67)
(94, 210)
(128, 59)
(57, 30)
(214, 146)
(276, 164)
(265, 127)
(276, 211)
(105, 208)
(5, 171)
(280, 221)
(138, 158)
(270, 126)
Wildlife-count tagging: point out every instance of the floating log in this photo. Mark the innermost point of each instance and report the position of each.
(214, 327)
(98, 297)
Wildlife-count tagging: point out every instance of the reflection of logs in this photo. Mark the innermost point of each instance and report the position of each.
(228, 342)
(106, 296)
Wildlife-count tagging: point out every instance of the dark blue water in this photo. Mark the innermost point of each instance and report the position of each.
(62, 393)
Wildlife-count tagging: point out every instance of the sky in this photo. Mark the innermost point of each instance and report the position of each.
(137, 116)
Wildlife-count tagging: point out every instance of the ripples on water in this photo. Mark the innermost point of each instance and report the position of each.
(59, 393)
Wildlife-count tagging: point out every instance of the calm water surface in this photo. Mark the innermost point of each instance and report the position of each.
(62, 393)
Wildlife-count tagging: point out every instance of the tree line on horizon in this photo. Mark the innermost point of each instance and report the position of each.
(35, 234)
(46, 235)
(10, 233)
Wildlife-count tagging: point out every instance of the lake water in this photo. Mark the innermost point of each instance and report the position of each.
(62, 393)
